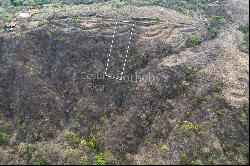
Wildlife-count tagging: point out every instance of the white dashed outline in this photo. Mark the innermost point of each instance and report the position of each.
(127, 51)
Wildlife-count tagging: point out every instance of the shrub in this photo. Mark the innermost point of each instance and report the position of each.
(191, 73)
(96, 69)
(187, 113)
(201, 98)
(245, 112)
(184, 85)
(159, 129)
(60, 39)
(16, 2)
(118, 4)
(183, 158)
(229, 13)
(102, 120)
(25, 151)
(72, 137)
(196, 162)
(84, 161)
(29, 2)
(92, 144)
(219, 19)
(131, 60)
(195, 40)
(86, 2)
(76, 20)
(150, 140)
(213, 31)
(3, 137)
(71, 156)
(190, 126)
(246, 40)
(7, 17)
(186, 127)
(217, 85)
(220, 112)
(40, 160)
(100, 159)
(144, 59)
(36, 136)
(164, 149)
(6, 126)
(244, 28)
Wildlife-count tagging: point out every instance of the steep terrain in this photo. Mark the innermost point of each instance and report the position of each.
(183, 98)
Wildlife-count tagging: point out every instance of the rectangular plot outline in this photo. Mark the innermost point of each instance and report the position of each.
(126, 57)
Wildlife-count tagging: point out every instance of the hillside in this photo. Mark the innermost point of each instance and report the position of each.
(124, 82)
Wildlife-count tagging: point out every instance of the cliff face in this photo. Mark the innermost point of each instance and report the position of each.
(183, 98)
